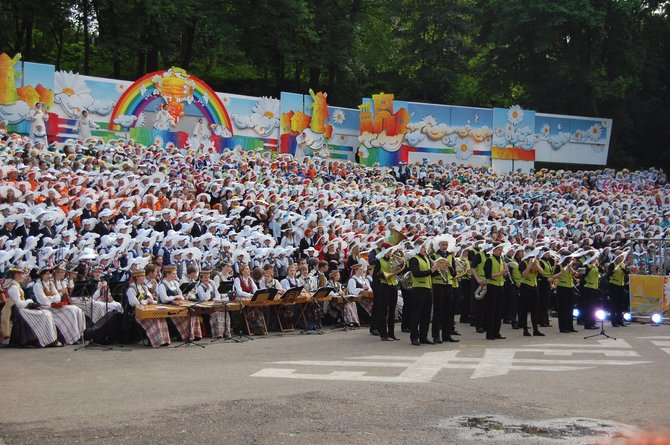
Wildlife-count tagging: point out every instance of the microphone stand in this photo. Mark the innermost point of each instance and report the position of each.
(317, 321)
(240, 337)
(91, 343)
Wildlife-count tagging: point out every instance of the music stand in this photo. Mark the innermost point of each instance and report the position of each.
(188, 341)
(81, 290)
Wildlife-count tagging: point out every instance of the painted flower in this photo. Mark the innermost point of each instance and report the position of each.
(338, 116)
(463, 151)
(515, 114)
(67, 82)
(429, 120)
(268, 107)
(595, 132)
(546, 129)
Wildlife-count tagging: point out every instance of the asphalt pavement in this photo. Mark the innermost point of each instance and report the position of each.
(343, 387)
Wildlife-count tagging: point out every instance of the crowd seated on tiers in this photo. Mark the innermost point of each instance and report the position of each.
(154, 224)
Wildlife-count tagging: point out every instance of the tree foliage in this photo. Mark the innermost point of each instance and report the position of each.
(604, 58)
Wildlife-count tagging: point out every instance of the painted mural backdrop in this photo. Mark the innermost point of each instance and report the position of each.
(310, 127)
(393, 131)
(173, 106)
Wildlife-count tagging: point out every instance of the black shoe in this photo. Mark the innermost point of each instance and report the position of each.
(374, 332)
(565, 331)
(515, 325)
(572, 330)
(405, 330)
(538, 334)
(425, 341)
(491, 338)
(386, 339)
(451, 340)
(480, 330)
(621, 325)
(500, 337)
(393, 337)
(454, 333)
(437, 340)
(416, 343)
(526, 333)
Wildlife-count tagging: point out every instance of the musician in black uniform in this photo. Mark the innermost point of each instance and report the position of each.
(422, 270)
(495, 271)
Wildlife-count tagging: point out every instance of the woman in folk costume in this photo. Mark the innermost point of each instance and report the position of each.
(36, 325)
(358, 283)
(349, 310)
(70, 320)
(244, 287)
(138, 294)
(207, 291)
(168, 291)
(38, 127)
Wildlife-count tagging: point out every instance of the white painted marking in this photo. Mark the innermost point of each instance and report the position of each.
(607, 343)
(422, 369)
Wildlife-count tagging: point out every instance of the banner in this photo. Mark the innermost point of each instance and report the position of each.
(648, 294)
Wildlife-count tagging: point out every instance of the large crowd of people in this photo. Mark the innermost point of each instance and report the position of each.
(89, 229)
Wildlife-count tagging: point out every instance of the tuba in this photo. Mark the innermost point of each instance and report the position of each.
(397, 264)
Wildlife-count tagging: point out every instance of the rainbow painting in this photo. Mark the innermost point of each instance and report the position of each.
(141, 93)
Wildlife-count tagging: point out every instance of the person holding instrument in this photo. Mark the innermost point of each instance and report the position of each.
(422, 270)
(495, 271)
(69, 319)
(168, 291)
(528, 302)
(36, 326)
(564, 277)
(207, 291)
(139, 294)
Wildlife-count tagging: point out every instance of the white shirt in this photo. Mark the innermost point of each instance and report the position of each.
(41, 296)
(238, 288)
(161, 291)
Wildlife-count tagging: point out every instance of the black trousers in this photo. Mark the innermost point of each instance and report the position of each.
(617, 303)
(421, 306)
(544, 291)
(406, 321)
(528, 304)
(511, 305)
(566, 298)
(375, 299)
(493, 301)
(383, 310)
(443, 310)
(466, 297)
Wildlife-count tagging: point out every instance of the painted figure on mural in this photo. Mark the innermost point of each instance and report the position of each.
(163, 120)
(84, 124)
(38, 127)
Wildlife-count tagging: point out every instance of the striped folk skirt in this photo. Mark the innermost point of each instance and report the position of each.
(99, 308)
(70, 322)
(220, 324)
(41, 323)
(182, 325)
(157, 331)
